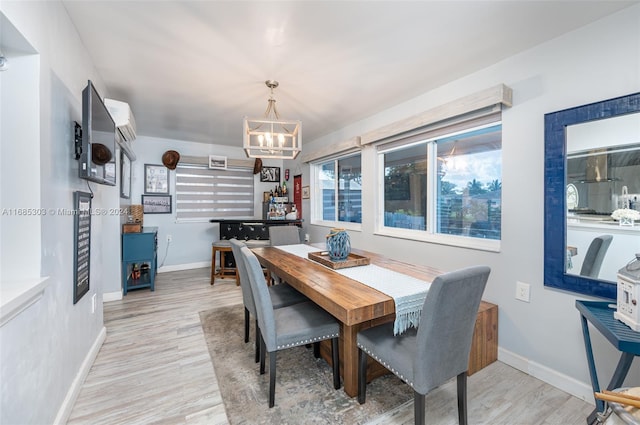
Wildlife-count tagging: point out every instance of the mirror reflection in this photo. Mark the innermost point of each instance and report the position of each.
(603, 184)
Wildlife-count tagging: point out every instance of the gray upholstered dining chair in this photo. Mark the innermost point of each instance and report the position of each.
(288, 327)
(439, 349)
(595, 255)
(281, 295)
(284, 235)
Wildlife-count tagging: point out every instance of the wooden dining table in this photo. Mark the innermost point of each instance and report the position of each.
(355, 305)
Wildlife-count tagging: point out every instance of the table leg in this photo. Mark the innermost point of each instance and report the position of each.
(624, 364)
(590, 360)
(349, 357)
(593, 417)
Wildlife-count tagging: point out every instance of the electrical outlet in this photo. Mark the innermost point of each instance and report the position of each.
(523, 291)
(93, 303)
(306, 237)
(169, 238)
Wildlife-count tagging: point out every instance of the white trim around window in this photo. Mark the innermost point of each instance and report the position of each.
(341, 187)
(414, 210)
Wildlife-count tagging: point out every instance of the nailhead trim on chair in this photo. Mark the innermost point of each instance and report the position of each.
(308, 341)
(383, 363)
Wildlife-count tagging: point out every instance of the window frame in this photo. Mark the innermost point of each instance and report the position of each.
(429, 234)
(317, 198)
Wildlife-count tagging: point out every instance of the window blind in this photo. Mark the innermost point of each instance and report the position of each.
(203, 193)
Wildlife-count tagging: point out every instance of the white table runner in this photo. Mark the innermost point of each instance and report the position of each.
(407, 292)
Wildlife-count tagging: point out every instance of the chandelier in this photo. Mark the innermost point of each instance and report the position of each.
(272, 137)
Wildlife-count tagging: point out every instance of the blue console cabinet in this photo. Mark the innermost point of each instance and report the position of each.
(139, 259)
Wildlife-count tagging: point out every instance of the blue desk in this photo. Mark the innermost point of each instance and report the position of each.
(626, 340)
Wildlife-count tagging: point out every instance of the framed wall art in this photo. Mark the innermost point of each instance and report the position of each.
(156, 179)
(218, 162)
(156, 204)
(270, 174)
(81, 244)
(125, 176)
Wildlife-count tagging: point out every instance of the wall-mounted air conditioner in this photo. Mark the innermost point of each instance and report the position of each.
(123, 117)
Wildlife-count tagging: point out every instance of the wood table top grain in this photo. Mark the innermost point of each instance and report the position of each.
(347, 300)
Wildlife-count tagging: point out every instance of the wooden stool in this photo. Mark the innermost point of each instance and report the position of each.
(222, 247)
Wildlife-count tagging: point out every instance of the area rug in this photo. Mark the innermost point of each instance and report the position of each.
(304, 384)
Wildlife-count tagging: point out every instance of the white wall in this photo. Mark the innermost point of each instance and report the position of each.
(20, 234)
(46, 350)
(543, 337)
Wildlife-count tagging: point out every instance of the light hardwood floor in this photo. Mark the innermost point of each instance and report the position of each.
(154, 367)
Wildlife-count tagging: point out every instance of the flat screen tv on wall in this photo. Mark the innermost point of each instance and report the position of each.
(98, 156)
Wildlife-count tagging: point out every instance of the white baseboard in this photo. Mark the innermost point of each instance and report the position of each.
(188, 266)
(111, 296)
(552, 377)
(65, 409)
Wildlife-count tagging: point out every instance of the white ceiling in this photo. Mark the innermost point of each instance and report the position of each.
(191, 70)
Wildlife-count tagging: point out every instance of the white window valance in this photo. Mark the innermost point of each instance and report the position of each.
(474, 106)
(333, 150)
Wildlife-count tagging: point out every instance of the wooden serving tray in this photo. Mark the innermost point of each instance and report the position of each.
(352, 260)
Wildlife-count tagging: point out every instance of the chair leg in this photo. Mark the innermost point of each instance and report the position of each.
(258, 337)
(462, 398)
(246, 325)
(263, 350)
(316, 350)
(362, 376)
(213, 265)
(223, 264)
(335, 359)
(272, 378)
(418, 408)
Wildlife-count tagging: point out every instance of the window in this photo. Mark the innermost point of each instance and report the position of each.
(405, 187)
(203, 193)
(446, 184)
(338, 190)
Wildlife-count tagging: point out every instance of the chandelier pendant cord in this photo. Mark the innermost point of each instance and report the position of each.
(271, 107)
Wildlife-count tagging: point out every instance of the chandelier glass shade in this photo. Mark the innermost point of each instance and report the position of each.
(270, 136)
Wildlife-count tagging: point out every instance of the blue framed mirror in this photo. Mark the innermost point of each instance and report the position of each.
(570, 195)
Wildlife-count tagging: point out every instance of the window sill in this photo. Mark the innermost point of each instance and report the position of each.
(17, 296)
(479, 244)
